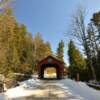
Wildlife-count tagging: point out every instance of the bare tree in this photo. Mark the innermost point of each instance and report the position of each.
(78, 29)
(4, 4)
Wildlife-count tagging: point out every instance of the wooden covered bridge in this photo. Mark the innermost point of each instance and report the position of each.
(51, 62)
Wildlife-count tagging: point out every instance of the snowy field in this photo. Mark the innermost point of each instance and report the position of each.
(66, 88)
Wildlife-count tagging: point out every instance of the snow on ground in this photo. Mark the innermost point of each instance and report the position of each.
(26, 88)
(69, 88)
(80, 88)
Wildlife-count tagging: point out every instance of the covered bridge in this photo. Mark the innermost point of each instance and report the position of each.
(51, 62)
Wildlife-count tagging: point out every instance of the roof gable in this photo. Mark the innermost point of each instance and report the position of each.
(49, 58)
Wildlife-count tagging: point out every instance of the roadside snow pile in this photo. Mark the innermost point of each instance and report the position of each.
(80, 88)
(30, 84)
(25, 88)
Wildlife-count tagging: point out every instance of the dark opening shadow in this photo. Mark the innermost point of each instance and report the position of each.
(49, 79)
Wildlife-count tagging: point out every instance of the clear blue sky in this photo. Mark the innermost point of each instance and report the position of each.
(51, 17)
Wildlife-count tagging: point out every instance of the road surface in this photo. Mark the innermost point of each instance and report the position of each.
(50, 90)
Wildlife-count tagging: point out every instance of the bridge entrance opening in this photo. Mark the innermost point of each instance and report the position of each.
(50, 68)
(50, 72)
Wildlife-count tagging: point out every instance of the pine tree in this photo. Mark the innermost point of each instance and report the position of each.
(16, 45)
(48, 49)
(60, 50)
(76, 60)
(41, 49)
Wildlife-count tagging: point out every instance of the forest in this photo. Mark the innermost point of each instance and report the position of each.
(20, 51)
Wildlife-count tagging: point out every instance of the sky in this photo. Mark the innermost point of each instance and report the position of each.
(52, 18)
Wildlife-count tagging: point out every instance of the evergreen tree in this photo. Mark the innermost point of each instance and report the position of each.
(41, 49)
(48, 49)
(60, 50)
(96, 28)
(76, 61)
(16, 45)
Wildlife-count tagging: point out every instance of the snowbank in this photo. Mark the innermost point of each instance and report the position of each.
(26, 88)
(81, 89)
